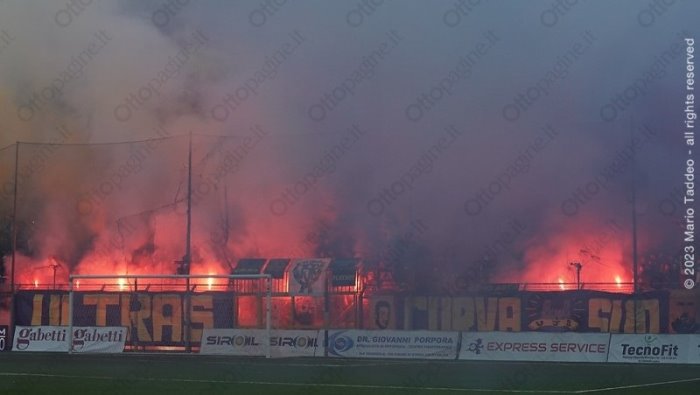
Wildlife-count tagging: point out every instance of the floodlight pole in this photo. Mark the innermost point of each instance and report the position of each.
(268, 315)
(189, 209)
(635, 279)
(14, 241)
(187, 258)
(14, 220)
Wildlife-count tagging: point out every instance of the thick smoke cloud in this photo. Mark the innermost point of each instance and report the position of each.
(443, 141)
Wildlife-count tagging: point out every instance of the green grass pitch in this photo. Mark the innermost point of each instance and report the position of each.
(131, 374)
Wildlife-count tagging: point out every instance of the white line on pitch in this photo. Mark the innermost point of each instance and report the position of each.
(637, 386)
(329, 385)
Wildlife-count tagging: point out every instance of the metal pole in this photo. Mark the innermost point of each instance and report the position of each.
(578, 276)
(326, 300)
(13, 286)
(70, 315)
(635, 280)
(268, 315)
(176, 276)
(187, 257)
(189, 209)
(188, 317)
(14, 219)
